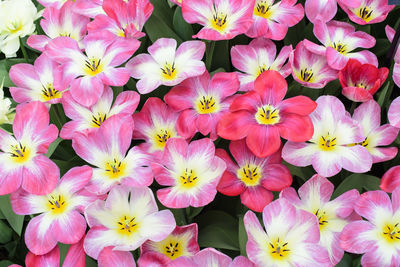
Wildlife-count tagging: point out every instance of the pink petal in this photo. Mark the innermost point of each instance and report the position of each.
(271, 86)
(186, 125)
(300, 105)
(256, 198)
(372, 204)
(295, 128)
(76, 256)
(394, 113)
(39, 236)
(298, 154)
(76, 179)
(47, 260)
(97, 239)
(70, 228)
(263, 140)
(38, 42)
(211, 256)
(276, 177)
(87, 90)
(115, 76)
(391, 179)
(10, 180)
(225, 84)
(24, 203)
(235, 126)
(357, 237)
(109, 257)
(318, 185)
(317, 10)
(157, 226)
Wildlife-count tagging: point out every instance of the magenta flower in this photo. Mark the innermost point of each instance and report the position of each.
(59, 21)
(315, 195)
(39, 82)
(367, 11)
(222, 19)
(155, 123)
(22, 163)
(85, 119)
(87, 74)
(89, 8)
(202, 102)
(291, 237)
(182, 242)
(326, 10)
(123, 222)
(391, 179)
(310, 69)
(123, 20)
(257, 57)
(60, 219)
(263, 117)
(252, 177)
(377, 237)
(332, 146)
(368, 115)
(107, 149)
(394, 113)
(338, 40)
(361, 81)
(166, 65)
(272, 20)
(53, 3)
(192, 172)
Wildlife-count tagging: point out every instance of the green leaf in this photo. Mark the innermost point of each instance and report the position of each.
(5, 233)
(16, 221)
(346, 261)
(63, 251)
(242, 237)
(53, 146)
(4, 74)
(357, 181)
(219, 230)
(182, 28)
(5, 263)
(156, 28)
(385, 93)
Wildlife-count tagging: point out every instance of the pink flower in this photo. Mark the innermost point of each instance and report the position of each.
(155, 123)
(257, 57)
(60, 21)
(75, 257)
(315, 195)
(85, 119)
(252, 177)
(60, 219)
(310, 69)
(87, 74)
(263, 117)
(367, 11)
(39, 82)
(325, 10)
(273, 20)
(377, 237)
(390, 32)
(222, 19)
(368, 115)
(127, 218)
(339, 39)
(53, 3)
(394, 112)
(391, 179)
(123, 20)
(107, 149)
(192, 172)
(201, 102)
(328, 150)
(22, 163)
(290, 238)
(89, 8)
(181, 242)
(361, 81)
(166, 65)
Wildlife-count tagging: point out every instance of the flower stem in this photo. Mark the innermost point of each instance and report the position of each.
(209, 54)
(23, 50)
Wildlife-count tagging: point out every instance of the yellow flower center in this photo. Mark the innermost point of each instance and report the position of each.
(161, 137)
(93, 67)
(327, 143)
(169, 71)
(365, 13)
(127, 225)
(391, 233)
(98, 120)
(261, 69)
(49, 93)
(250, 174)
(172, 249)
(20, 153)
(121, 33)
(262, 9)
(340, 47)
(14, 27)
(267, 115)
(115, 169)
(206, 105)
(218, 21)
(56, 204)
(322, 218)
(306, 75)
(188, 179)
(279, 250)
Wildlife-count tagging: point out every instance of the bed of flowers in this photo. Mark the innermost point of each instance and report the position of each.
(230, 133)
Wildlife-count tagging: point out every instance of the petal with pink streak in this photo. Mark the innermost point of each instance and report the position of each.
(256, 198)
(391, 179)
(41, 177)
(318, 185)
(203, 148)
(115, 76)
(358, 237)
(385, 135)
(76, 178)
(300, 105)
(182, 261)
(171, 198)
(394, 113)
(21, 95)
(152, 258)
(120, 51)
(225, 84)
(250, 101)
(298, 154)
(10, 180)
(291, 195)
(368, 114)
(328, 163)
(87, 90)
(70, 228)
(24, 203)
(39, 236)
(38, 42)
(109, 257)
(241, 261)
(230, 185)
(263, 140)
(210, 257)
(145, 68)
(157, 226)
(50, 259)
(356, 159)
(364, 57)
(126, 102)
(396, 72)
(45, 138)
(279, 216)
(76, 256)
(235, 126)
(97, 239)
(317, 10)
(25, 76)
(378, 256)
(276, 177)
(257, 238)
(344, 204)
(271, 86)
(335, 59)
(89, 147)
(373, 205)
(295, 128)
(186, 124)
(64, 49)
